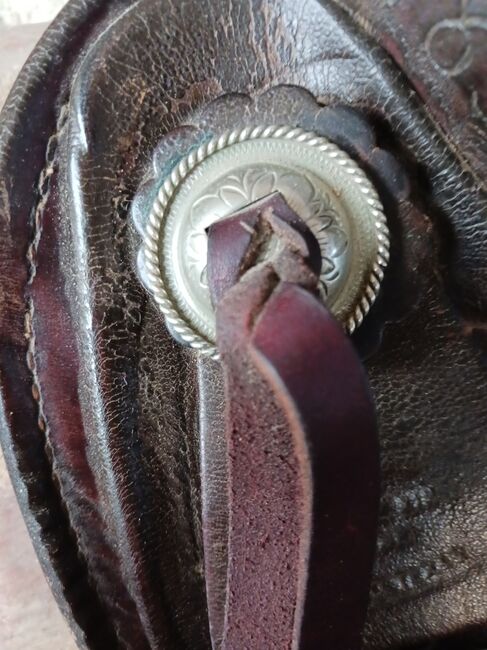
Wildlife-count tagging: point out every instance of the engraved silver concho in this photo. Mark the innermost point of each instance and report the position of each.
(318, 180)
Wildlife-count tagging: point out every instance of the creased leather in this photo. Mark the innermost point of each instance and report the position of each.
(129, 73)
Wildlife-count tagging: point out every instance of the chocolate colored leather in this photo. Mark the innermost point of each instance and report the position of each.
(303, 462)
(101, 411)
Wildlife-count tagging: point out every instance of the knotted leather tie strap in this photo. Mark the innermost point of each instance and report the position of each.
(303, 474)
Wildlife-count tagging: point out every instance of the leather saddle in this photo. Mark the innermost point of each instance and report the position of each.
(209, 454)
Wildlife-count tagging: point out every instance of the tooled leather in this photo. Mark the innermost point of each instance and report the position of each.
(441, 46)
(428, 375)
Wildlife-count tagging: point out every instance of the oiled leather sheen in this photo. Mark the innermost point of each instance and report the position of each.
(101, 411)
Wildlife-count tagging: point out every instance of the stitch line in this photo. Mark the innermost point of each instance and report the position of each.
(43, 188)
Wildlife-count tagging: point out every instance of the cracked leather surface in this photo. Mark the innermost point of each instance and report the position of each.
(100, 412)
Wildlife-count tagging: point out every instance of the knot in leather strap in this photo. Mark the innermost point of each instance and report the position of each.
(302, 453)
(266, 228)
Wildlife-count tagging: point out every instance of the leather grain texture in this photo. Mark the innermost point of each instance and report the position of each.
(101, 409)
(302, 522)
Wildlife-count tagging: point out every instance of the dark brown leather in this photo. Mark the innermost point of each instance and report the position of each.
(100, 407)
(303, 466)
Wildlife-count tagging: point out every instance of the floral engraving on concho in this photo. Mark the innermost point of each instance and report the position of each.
(240, 189)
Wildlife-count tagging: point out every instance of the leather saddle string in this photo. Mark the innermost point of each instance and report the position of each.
(302, 450)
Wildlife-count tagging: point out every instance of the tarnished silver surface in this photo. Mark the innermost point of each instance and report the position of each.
(318, 180)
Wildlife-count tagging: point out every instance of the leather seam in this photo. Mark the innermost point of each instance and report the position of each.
(43, 189)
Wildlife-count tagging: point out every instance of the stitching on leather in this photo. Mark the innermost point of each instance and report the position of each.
(43, 188)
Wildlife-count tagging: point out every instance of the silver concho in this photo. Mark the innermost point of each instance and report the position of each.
(318, 180)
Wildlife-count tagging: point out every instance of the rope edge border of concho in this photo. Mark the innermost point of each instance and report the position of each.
(150, 246)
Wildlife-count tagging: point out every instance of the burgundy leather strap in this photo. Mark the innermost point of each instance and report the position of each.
(303, 477)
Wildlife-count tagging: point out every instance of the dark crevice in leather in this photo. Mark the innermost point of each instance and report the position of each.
(383, 159)
(421, 192)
